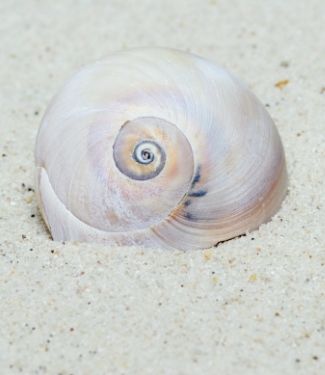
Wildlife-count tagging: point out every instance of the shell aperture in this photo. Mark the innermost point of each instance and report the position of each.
(157, 147)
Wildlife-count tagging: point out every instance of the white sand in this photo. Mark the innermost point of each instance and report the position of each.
(254, 305)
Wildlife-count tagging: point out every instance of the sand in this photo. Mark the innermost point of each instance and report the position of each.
(253, 305)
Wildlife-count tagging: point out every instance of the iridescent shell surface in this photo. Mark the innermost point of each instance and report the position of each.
(157, 147)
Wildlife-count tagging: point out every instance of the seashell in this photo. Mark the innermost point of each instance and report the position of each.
(159, 148)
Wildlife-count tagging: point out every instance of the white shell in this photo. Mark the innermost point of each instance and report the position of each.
(212, 165)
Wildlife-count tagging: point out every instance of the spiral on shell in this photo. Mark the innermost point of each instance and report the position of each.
(157, 147)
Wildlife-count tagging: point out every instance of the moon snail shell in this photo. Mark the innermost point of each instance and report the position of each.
(157, 147)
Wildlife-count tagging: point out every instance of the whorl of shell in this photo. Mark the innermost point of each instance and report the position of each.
(157, 147)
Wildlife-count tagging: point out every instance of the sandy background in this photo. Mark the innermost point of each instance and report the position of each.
(254, 305)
